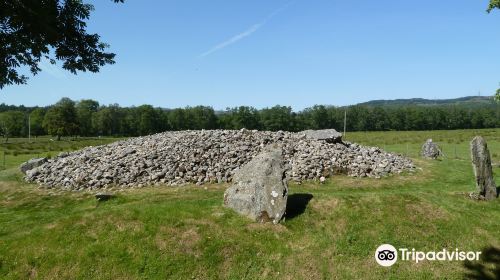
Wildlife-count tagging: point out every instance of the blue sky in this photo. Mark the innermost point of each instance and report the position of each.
(267, 52)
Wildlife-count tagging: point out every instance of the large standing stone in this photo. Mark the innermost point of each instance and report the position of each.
(327, 135)
(260, 190)
(481, 162)
(431, 150)
(31, 164)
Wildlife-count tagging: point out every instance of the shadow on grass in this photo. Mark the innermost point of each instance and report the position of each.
(296, 204)
(487, 268)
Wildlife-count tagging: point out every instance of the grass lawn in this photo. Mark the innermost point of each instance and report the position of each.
(331, 231)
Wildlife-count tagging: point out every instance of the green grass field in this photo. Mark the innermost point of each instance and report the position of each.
(18, 150)
(331, 230)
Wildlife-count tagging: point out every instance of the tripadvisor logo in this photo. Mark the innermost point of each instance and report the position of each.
(387, 255)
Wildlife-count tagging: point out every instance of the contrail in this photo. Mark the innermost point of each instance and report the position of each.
(245, 33)
(51, 69)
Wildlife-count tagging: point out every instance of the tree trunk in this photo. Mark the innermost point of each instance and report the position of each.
(58, 137)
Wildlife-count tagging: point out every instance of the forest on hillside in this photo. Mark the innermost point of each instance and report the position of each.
(89, 118)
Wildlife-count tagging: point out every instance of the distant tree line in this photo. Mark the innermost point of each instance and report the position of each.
(89, 118)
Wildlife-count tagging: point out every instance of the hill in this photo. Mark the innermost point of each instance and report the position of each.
(462, 101)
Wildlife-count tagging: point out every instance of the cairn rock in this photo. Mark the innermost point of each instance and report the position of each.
(327, 135)
(431, 150)
(32, 172)
(200, 157)
(481, 163)
(260, 190)
(31, 164)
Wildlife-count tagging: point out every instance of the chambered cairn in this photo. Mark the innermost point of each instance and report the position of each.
(209, 156)
(259, 190)
(481, 162)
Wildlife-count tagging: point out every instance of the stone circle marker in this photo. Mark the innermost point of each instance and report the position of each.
(431, 150)
(481, 163)
(260, 190)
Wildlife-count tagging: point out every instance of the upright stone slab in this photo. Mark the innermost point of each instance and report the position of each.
(481, 162)
(431, 150)
(260, 190)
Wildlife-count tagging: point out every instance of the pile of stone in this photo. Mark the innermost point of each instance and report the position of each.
(209, 156)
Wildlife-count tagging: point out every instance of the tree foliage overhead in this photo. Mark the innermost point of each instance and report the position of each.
(32, 30)
(494, 4)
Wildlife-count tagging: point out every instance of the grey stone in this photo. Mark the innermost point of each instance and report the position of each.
(481, 163)
(32, 163)
(63, 154)
(32, 172)
(327, 135)
(260, 190)
(431, 150)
